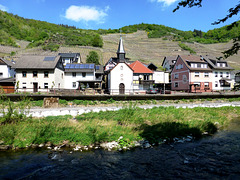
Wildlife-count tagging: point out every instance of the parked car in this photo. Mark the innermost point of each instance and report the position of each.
(152, 91)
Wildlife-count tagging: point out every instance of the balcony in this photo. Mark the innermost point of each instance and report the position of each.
(146, 81)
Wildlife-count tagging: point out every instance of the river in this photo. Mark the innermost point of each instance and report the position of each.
(216, 157)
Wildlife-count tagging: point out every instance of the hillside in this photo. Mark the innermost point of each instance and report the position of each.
(145, 42)
(137, 46)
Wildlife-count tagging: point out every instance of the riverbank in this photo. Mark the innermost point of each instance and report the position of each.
(126, 128)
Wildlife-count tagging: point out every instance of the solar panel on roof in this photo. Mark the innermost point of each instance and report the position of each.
(82, 66)
(67, 66)
(77, 66)
(49, 58)
(91, 66)
(86, 66)
(72, 66)
(97, 67)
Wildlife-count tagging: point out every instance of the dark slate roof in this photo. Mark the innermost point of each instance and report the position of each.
(212, 61)
(37, 62)
(11, 80)
(187, 59)
(170, 59)
(69, 55)
(6, 62)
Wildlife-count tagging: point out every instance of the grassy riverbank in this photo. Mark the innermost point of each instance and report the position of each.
(130, 122)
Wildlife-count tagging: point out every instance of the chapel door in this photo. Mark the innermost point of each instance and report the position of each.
(121, 88)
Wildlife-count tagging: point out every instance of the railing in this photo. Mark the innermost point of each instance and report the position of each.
(146, 81)
(90, 91)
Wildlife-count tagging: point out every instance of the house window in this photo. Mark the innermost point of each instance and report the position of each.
(74, 85)
(221, 74)
(197, 84)
(74, 74)
(45, 85)
(227, 74)
(176, 84)
(206, 74)
(199, 65)
(216, 74)
(35, 73)
(46, 74)
(24, 74)
(216, 84)
(146, 77)
(197, 74)
(135, 82)
(176, 76)
(206, 84)
(121, 67)
(24, 85)
(1, 74)
(83, 74)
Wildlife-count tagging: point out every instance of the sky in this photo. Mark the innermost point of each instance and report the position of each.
(114, 14)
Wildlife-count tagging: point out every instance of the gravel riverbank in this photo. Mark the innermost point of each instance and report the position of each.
(43, 112)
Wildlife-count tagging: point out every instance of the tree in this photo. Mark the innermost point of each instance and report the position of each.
(231, 12)
(93, 57)
(97, 41)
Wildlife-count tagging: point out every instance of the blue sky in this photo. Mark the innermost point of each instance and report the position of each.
(114, 14)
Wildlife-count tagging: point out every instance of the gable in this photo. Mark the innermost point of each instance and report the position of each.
(138, 67)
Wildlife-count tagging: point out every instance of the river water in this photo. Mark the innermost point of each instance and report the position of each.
(216, 157)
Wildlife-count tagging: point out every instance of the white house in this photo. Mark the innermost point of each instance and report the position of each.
(79, 76)
(70, 58)
(120, 79)
(142, 76)
(39, 73)
(221, 79)
(6, 70)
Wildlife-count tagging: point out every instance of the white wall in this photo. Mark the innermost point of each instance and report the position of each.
(6, 71)
(58, 78)
(121, 73)
(54, 78)
(216, 79)
(69, 79)
(159, 77)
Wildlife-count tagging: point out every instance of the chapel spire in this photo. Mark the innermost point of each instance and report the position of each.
(121, 52)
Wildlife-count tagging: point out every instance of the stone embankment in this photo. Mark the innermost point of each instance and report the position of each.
(74, 111)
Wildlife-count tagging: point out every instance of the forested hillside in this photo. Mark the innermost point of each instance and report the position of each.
(217, 35)
(39, 33)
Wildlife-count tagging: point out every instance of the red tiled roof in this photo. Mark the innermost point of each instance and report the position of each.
(138, 67)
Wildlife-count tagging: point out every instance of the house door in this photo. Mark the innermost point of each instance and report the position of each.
(121, 88)
(35, 87)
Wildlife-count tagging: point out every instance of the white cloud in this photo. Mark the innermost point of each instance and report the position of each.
(165, 2)
(86, 13)
(3, 8)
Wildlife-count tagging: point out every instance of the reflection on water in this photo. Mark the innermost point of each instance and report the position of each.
(215, 157)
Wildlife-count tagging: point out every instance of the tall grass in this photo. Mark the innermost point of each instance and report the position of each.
(130, 122)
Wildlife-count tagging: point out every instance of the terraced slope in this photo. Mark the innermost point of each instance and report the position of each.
(137, 46)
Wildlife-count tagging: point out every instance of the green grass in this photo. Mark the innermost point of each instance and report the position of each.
(131, 122)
